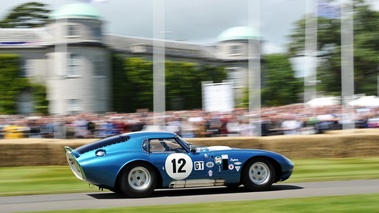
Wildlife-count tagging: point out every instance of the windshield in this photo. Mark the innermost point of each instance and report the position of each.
(184, 142)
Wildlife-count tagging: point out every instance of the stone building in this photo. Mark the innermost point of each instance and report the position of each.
(72, 57)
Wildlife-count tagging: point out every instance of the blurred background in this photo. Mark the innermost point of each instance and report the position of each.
(91, 69)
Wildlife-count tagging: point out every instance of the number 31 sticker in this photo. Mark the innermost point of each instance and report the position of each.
(178, 166)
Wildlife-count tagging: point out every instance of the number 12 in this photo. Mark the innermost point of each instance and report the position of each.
(181, 163)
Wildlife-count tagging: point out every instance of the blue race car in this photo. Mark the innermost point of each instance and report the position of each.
(135, 164)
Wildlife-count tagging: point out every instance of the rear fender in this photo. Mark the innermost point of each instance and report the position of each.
(116, 186)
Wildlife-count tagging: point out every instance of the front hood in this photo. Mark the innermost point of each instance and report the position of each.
(212, 148)
(218, 148)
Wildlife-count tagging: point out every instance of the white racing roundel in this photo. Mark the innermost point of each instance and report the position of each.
(178, 166)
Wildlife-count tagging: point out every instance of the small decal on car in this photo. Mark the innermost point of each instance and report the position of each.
(210, 173)
(218, 160)
(210, 164)
(238, 168)
(199, 165)
(178, 166)
(233, 159)
(237, 163)
(231, 166)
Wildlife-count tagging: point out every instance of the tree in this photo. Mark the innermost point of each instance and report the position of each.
(133, 83)
(139, 84)
(41, 104)
(366, 50)
(279, 87)
(278, 72)
(119, 87)
(180, 88)
(28, 15)
(208, 72)
(11, 84)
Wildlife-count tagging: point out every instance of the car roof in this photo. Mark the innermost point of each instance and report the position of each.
(150, 134)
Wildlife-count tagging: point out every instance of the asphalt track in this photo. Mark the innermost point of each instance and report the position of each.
(108, 199)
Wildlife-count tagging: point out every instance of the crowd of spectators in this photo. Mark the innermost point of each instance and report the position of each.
(290, 119)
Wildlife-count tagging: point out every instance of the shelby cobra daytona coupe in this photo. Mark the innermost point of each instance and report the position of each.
(135, 164)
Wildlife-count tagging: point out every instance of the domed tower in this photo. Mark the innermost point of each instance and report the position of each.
(79, 63)
(234, 45)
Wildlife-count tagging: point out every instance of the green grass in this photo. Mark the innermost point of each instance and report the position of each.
(59, 179)
(335, 204)
(335, 169)
(39, 180)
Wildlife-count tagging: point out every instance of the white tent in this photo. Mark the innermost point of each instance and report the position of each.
(323, 101)
(365, 101)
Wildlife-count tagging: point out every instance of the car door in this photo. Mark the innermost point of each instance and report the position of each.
(174, 161)
(221, 164)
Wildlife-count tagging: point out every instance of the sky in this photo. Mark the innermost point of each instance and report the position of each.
(198, 21)
(195, 21)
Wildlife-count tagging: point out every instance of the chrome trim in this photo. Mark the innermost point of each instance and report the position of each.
(74, 164)
(196, 183)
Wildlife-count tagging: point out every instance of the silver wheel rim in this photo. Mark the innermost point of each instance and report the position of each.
(139, 178)
(259, 173)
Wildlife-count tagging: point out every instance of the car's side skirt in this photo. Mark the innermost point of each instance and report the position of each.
(196, 183)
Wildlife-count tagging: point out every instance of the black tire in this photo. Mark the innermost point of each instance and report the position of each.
(138, 180)
(258, 174)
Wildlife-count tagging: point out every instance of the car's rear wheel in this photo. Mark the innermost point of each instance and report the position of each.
(138, 180)
(258, 174)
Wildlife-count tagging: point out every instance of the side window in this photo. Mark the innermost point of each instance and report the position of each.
(145, 145)
(156, 146)
(164, 145)
(172, 145)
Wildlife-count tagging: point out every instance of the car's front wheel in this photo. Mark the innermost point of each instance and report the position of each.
(138, 180)
(258, 174)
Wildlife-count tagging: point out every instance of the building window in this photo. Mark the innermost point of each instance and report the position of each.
(99, 65)
(73, 65)
(138, 48)
(233, 76)
(24, 68)
(73, 105)
(25, 102)
(97, 33)
(72, 30)
(236, 50)
(100, 106)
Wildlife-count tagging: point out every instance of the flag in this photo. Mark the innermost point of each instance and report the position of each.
(326, 9)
